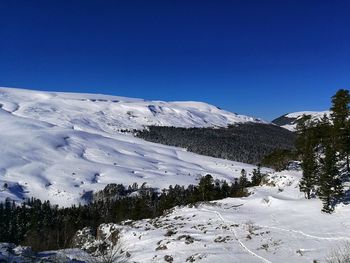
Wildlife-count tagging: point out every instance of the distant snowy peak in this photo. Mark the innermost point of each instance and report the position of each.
(111, 113)
(289, 121)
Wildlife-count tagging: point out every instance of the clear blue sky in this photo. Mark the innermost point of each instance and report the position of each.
(261, 58)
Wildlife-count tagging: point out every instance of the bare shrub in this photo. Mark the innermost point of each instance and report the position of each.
(340, 254)
(113, 254)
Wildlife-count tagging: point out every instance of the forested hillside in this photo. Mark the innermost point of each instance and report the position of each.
(247, 143)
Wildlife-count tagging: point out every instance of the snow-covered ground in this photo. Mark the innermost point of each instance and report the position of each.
(58, 146)
(274, 224)
(10, 253)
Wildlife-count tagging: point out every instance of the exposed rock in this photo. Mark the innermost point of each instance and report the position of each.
(105, 237)
(84, 237)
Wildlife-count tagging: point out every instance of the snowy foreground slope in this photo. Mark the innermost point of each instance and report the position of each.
(58, 146)
(274, 224)
(289, 121)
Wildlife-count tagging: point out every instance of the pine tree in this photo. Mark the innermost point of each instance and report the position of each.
(340, 108)
(257, 176)
(225, 189)
(306, 148)
(308, 181)
(302, 130)
(340, 117)
(243, 180)
(206, 187)
(330, 189)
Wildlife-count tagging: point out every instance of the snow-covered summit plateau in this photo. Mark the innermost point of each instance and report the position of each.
(93, 112)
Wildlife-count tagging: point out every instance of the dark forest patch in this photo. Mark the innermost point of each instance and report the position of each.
(247, 143)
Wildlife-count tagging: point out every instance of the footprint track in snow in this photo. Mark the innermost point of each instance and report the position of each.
(236, 236)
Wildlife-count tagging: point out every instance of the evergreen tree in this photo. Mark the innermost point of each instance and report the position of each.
(206, 187)
(340, 108)
(257, 176)
(225, 189)
(330, 189)
(340, 117)
(306, 148)
(308, 181)
(243, 180)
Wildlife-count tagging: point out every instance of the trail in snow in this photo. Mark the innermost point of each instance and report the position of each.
(236, 236)
(302, 233)
(295, 231)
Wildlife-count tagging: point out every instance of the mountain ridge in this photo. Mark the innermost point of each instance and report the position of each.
(130, 113)
(289, 121)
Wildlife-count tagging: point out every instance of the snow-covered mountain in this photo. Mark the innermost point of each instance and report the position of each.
(59, 146)
(289, 121)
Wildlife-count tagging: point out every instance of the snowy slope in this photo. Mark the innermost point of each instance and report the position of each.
(58, 146)
(274, 224)
(289, 121)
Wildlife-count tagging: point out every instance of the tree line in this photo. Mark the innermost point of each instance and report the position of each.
(324, 148)
(44, 226)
